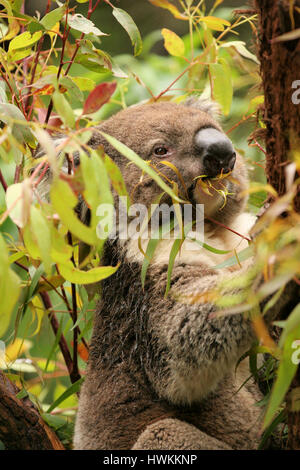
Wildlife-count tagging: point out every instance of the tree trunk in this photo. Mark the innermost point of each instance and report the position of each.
(280, 68)
(21, 426)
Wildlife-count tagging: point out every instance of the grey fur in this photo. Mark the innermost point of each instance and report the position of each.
(161, 373)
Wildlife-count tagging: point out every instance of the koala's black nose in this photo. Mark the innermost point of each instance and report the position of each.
(216, 150)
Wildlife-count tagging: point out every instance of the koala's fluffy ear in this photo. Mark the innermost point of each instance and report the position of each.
(203, 104)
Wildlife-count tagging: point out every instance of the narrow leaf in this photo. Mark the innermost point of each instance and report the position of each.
(286, 372)
(214, 23)
(174, 251)
(290, 36)
(41, 232)
(116, 178)
(132, 156)
(222, 89)
(74, 388)
(77, 276)
(130, 27)
(64, 109)
(168, 6)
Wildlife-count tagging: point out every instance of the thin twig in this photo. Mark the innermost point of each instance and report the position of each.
(2, 181)
(62, 341)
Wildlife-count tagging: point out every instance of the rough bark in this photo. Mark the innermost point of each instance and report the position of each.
(280, 67)
(21, 426)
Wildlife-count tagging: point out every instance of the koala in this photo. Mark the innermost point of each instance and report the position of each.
(161, 372)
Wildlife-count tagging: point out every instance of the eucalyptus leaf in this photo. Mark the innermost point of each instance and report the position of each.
(129, 25)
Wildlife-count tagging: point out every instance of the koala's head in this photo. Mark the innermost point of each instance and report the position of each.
(190, 138)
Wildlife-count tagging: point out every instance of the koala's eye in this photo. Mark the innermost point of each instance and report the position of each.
(161, 151)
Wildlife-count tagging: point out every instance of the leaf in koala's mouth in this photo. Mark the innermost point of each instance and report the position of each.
(207, 186)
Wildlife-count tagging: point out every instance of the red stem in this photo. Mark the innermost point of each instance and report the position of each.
(73, 371)
(74, 374)
(3, 182)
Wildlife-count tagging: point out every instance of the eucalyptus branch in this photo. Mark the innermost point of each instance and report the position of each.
(36, 61)
(70, 63)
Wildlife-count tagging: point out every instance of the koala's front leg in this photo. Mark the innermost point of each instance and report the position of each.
(196, 350)
(173, 434)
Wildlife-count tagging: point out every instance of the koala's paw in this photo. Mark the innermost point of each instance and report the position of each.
(173, 434)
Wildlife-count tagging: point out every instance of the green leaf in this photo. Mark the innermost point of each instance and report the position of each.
(211, 248)
(34, 25)
(64, 109)
(31, 243)
(53, 17)
(132, 156)
(22, 394)
(14, 202)
(116, 178)
(9, 288)
(93, 59)
(264, 440)
(292, 323)
(222, 89)
(17, 4)
(14, 26)
(77, 276)
(41, 232)
(10, 113)
(72, 88)
(55, 344)
(61, 251)
(34, 282)
(97, 191)
(130, 27)
(242, 255)
(285, 374)
(151, 247)
(84, 83)
(16, 256)
(19, 54)
(82, 24)
(214, 23)
(24, 40)
(174, 251)
(74, 388)
(64, 201)
(54, 421)
(173, 43)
